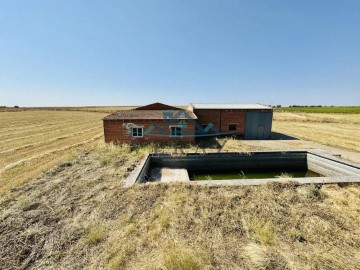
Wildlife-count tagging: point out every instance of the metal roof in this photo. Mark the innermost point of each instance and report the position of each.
(150, 114)
(229, 106)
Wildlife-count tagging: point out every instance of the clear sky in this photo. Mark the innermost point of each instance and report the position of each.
(85, 52)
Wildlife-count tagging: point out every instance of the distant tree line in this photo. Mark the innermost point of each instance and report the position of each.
(16, 107)
(311, 106)
(303, 106)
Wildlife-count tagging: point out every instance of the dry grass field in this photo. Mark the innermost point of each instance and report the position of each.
(77, 215)
(338, 130)
(32, 142)
(101, 109)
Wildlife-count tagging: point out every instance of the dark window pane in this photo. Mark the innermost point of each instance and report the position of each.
(178, 131)
(232, 127)
(137, 132)
(175, 131)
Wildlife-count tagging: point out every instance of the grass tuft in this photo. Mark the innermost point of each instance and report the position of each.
(95, 234)
(315, 192)
(179, 257)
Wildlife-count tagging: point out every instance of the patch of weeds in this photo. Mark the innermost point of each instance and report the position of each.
(121, 257)
(129, 229)
(94, 234)
(25, 203)
(105, 160)
(296, 235)
(103, 188)
(342, 202)
(284, 175)
(181, 258)
(236, 198)
(263, 234)
(31, 207)
(300, 238)
(314, 192)
(164, 221)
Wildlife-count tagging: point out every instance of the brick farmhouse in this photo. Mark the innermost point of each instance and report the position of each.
(159, 122)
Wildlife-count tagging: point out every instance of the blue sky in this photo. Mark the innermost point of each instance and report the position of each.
(84, 52)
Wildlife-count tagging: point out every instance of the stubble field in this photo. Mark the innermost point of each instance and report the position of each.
(338, 130)
(77, 215)
(32, 142)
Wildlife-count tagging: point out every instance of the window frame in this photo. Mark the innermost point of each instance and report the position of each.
(137, 132)
(232, 125)
(176, 135)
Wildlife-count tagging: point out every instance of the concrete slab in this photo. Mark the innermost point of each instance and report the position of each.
(174, 175)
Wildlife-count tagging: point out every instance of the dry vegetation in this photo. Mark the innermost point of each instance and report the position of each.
(78, 215)
(338, 130)
(101, 109)
(32, 142)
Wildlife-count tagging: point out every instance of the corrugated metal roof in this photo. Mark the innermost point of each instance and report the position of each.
(229, 106)
(150, 114)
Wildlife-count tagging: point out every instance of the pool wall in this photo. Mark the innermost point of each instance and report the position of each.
(228, 161)
(319, 162)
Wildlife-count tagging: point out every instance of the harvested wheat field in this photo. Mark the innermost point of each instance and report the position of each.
(78, 216)
(63, 205)
(338, 130)
(32, 142)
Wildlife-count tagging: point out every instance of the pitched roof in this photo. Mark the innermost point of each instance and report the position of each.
(157, 106)
(150, 114)
(229, 106)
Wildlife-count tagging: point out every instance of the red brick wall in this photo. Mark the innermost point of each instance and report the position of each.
(116, 131)
(221, 118)
(208, 116)
(237, 117)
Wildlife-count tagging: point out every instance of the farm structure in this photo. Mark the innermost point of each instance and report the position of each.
(250, 121)
(159, 122)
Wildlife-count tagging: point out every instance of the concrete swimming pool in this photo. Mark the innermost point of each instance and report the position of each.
(253, 168)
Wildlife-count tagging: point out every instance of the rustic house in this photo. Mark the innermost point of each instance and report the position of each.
(152, 123)
(158, 122)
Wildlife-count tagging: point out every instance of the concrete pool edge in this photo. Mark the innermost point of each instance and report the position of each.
(301, 181)
(323, 158)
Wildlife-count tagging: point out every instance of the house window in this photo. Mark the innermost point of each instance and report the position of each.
(232, 127)
(176, 131)
(137, 132)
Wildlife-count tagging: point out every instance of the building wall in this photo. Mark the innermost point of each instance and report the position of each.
(119, 131)
(237, 117)
(222, 118)
(206, 117)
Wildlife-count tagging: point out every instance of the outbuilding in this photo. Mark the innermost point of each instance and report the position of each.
(250, 121)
